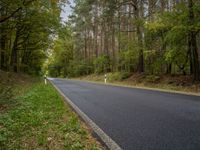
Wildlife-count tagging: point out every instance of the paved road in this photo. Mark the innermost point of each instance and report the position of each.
(138, 119)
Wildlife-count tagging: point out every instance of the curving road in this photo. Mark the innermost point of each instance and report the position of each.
(138, 119)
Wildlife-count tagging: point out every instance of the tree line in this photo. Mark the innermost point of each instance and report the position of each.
(153, 37)
(27, 29)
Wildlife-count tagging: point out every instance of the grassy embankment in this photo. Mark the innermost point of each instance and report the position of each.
(165, 83)
(34, 116)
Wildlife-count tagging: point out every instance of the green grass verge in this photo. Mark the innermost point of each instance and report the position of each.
(40, 119)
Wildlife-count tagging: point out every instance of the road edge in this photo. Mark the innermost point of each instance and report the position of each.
(111, 144)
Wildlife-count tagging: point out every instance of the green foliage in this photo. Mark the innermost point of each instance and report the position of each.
(28, 33)
(167, 39)
(79, 68)
(109, 36)
(61, 54)
(128, 56)
(102, 64)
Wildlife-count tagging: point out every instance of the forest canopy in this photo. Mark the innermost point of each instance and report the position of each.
(28, 29)
(154, 37)
(150, 36)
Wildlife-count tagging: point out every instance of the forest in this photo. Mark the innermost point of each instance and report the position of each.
(113, 74)
(27, 30)
(152, 37)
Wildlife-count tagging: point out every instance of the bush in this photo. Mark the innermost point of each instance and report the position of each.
(102, 64)
(80, 68)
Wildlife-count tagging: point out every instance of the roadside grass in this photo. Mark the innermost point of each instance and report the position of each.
(38, 118)
(181, 84)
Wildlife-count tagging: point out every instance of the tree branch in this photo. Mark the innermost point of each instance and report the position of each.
(3, 19)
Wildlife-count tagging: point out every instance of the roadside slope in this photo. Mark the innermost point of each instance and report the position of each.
(176, 84)
(36, 117)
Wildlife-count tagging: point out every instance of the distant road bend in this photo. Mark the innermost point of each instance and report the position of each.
(138, 119)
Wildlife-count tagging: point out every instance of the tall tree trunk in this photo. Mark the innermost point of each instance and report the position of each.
(141, 55)
(192, 44)
(140, 40)
(14, 56)
(113, 48)
(85, 48)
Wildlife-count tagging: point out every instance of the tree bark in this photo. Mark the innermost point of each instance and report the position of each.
(192, 44)
(140, 40)
(14, 56)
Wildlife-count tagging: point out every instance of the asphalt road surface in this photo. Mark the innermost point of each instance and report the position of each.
(138, 119)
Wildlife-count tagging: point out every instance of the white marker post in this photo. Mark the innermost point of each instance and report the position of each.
(105, 78)
(45, 79)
